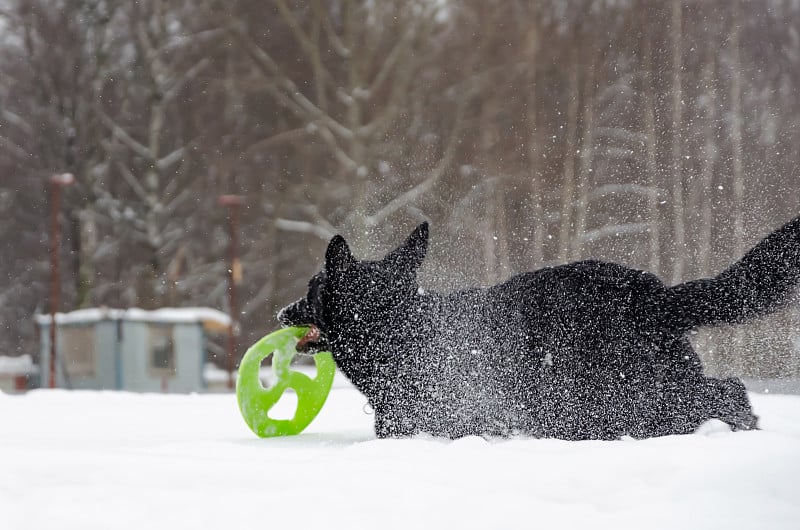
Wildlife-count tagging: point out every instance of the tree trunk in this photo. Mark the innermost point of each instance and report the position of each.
(565, 232)
(738, 177)
(87, 235)
(501, 232)
(586, 157)
(534, 169)
(678, 221)
(709, 160)
(489, 244)
(736, 135)
(654, 246)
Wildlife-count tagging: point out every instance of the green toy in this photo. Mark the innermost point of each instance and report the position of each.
(255, 401)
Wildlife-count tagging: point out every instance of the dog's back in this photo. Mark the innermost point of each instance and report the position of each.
(567, 351)
(574, 351)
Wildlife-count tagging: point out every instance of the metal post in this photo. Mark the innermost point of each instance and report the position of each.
(56, 183)
(233, 203)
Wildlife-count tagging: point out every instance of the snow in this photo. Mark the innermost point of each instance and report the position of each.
(166, 314)
(98, 460)
(20, 365)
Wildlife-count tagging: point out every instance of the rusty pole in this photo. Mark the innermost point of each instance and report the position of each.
(57, 182)
(233, 203)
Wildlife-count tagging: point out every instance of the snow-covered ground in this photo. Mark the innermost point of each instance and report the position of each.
(107, 460)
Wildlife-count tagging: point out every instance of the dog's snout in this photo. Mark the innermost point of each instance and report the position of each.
(282, 316)
(292, 314)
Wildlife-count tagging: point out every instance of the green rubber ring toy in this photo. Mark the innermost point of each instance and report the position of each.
(255, 401)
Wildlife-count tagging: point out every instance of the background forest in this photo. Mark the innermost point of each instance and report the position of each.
(661, 134)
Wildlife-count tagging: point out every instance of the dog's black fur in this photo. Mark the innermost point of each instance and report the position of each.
(589, 350)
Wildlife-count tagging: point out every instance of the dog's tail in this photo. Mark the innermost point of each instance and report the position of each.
(759, 283)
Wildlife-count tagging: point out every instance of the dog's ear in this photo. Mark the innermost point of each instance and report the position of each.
(409, 256)
(338, 257)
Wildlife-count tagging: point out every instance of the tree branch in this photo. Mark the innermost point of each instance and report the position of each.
(292, 95)
(275, 139)
(13, 148)
(304, 227)
(391, 60)
(617, 189)
(176, 84)
(15, 119)
(336, 42)
(166, 161)
(444, 163)
(132, 181)
(615, 231)
(120, 134)
(309, 47)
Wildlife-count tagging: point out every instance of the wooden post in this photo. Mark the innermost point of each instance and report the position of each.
(233, 203)
(56, 183)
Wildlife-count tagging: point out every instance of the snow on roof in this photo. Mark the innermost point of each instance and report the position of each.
(21, 365)
(82, 316)
(212, 319)
(179, 314)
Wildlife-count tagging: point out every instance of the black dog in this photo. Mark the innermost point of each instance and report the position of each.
(589, 350)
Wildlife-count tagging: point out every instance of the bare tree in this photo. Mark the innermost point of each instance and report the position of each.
(506, 120)
(154, 164)
(362, 65)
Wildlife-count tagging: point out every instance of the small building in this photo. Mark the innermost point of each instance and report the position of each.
(164, 350)
(16, 373)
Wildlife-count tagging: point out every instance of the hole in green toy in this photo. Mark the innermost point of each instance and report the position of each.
(307, 367)
(286, 407)
(266, 376)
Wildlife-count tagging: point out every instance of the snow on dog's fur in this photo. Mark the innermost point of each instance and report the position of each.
(588, 350)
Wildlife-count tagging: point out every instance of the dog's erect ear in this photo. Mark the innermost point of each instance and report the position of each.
(338, 257)
(408, 257)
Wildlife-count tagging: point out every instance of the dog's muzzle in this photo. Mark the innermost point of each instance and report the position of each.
(298, 314)
(294, 314)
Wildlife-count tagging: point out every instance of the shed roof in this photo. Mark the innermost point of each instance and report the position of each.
(21, 365)
(213, 320)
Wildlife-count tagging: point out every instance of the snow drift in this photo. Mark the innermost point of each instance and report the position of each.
(99, 460)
